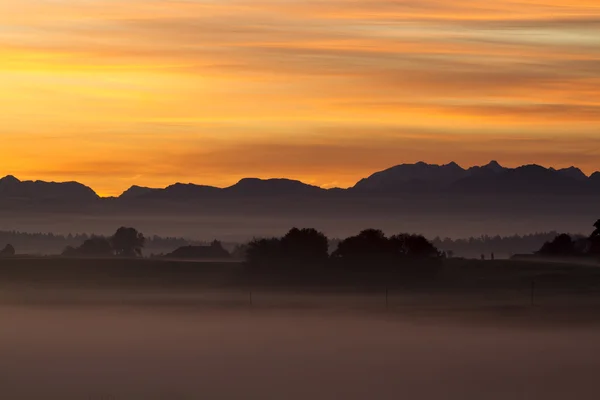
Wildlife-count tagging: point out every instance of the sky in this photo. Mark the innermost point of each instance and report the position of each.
(113, 93)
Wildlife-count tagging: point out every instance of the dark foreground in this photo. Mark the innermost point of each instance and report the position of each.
(98, 329)
(138, 353)
(454, 283)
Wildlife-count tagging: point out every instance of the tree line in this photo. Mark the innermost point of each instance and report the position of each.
(302, 246)
(54, 244)
(502, 246)
(126, 242)
(567, 245)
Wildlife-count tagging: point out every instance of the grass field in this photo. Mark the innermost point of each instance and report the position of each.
(456, 285)
(150, 329)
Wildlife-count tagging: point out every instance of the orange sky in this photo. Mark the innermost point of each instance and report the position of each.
(117, 92)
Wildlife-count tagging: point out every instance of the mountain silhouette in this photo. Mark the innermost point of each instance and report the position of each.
(137, 191)
(489, 170)
(528, 179)
(178, 191)
(13, 189)
(409, 177)
(490, 178)
(245, 187)
(493, 166)
(401, 179)
(594, 179)
(572, 172)
(272, 187)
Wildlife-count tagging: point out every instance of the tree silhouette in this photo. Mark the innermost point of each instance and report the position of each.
(128, 242)
(597, 230)
(298, 246)
(562, 245)
(240, 251)
(372, 245)
(305, 245)
(263, 251)
(8, 251)
(370, 242)
(416, 246)
(69, 251)
(93, 247)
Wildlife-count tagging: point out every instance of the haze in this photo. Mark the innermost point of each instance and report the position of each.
(168, 353)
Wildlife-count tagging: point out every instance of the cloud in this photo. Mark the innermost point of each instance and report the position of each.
(322, 90)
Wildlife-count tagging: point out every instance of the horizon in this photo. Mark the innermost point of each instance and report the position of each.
(266, 178)
(321, 92)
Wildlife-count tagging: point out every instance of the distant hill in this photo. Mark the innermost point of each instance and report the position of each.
(405, 177)
(572, 172)
(272, 187)
(137, 191)
(178, 191)
(492, 177)
(398, 180)
(528, 179)
(13, 188)
(245, 187)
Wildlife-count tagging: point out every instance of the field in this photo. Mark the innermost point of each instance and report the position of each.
(518, 287)
(147, 329)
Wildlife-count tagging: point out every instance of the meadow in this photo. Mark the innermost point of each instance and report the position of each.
(156, 329)
(455, 284)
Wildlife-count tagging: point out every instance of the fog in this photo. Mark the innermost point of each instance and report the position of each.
(218, 352)
(237, 220)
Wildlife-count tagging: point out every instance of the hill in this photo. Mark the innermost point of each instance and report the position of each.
(446, 200)
(404, 178)
(12, 188)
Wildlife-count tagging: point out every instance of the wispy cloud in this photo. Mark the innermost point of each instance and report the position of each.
(123, 81)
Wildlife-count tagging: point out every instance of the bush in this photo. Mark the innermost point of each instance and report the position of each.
(8, 251)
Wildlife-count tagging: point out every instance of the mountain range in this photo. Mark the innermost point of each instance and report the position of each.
(421, 177)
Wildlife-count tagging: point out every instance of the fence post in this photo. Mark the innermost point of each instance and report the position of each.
(387, 298)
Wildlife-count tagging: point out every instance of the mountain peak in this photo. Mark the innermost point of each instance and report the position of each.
(494, 166)
(11, 187)
(533, 168)
(272, 181)
(453, 165)
(272, 186)
(10, 179)
(135, 191)
(572, 172)
(419, 176)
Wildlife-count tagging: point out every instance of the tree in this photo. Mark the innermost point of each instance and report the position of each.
(8, 251)
(263, 251)
(69, 251)
(305, 245)
(416, 246)
(128, 242)
(93, 247)
(595, 239)
(562, 245)
(597, 230)
(368, 243)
